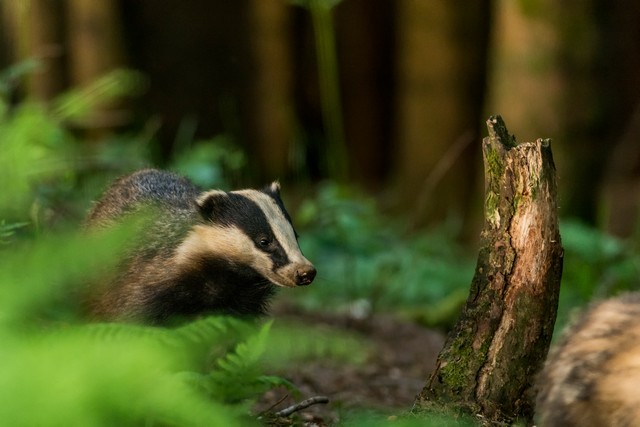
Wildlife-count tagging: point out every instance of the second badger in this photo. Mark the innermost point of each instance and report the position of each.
(591, 376)
(202, 252)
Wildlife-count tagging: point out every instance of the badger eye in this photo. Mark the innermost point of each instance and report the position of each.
(264, 242)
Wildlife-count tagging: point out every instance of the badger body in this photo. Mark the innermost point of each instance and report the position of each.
(201, 251)
(592, 377)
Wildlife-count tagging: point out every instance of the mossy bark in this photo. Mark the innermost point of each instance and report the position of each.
(490, 359)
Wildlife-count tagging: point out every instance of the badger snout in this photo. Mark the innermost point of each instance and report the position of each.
(305, 274)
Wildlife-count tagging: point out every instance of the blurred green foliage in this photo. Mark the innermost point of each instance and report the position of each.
(77, 104)
(41, 158)
(596, 266)
(369, 262)
(35, 149)
(373, 419)
(7, 231)
(216, 162)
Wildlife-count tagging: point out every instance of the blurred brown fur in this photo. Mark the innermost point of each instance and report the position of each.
(591, 377)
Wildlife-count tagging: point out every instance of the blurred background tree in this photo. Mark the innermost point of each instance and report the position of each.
(414, 82)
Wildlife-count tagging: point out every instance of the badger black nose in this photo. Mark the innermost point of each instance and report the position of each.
(305, 275)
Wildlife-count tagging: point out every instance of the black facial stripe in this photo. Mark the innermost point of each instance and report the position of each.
(278, 256)
(237, 210)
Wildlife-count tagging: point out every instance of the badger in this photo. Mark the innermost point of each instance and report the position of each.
(200, 252)
(592, 377)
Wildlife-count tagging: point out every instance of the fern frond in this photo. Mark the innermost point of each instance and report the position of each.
(208, 329)
(237, 376)
(116, 332)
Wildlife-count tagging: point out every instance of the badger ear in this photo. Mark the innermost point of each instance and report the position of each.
(211, 203)
(273, 188)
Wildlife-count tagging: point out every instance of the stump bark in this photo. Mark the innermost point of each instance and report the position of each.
(489, 361)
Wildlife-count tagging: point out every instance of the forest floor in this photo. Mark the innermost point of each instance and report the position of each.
(400, 356)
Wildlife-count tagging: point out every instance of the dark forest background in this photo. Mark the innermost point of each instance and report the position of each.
(391, 95)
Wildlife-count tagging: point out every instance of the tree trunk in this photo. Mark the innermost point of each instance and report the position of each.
(95, 47)
(33, 30)
(440, 72)
(365, 27)
(95, 39)
(272, 115)
(46, 44)
(489, 360)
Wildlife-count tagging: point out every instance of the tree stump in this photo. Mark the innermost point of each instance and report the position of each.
(490, 359)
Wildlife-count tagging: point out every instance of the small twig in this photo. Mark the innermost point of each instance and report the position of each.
(302, 405)
(274, 405)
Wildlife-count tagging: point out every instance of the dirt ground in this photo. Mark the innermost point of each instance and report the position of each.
(399, 359)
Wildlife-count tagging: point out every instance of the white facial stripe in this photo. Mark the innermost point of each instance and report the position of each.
(232, 244)
(281, 227)
(204, 196)
(225, 242)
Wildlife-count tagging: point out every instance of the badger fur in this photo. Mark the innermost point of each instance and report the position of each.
(592, 377)
(201, 252)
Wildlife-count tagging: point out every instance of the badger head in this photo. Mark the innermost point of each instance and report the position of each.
(249, 229)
